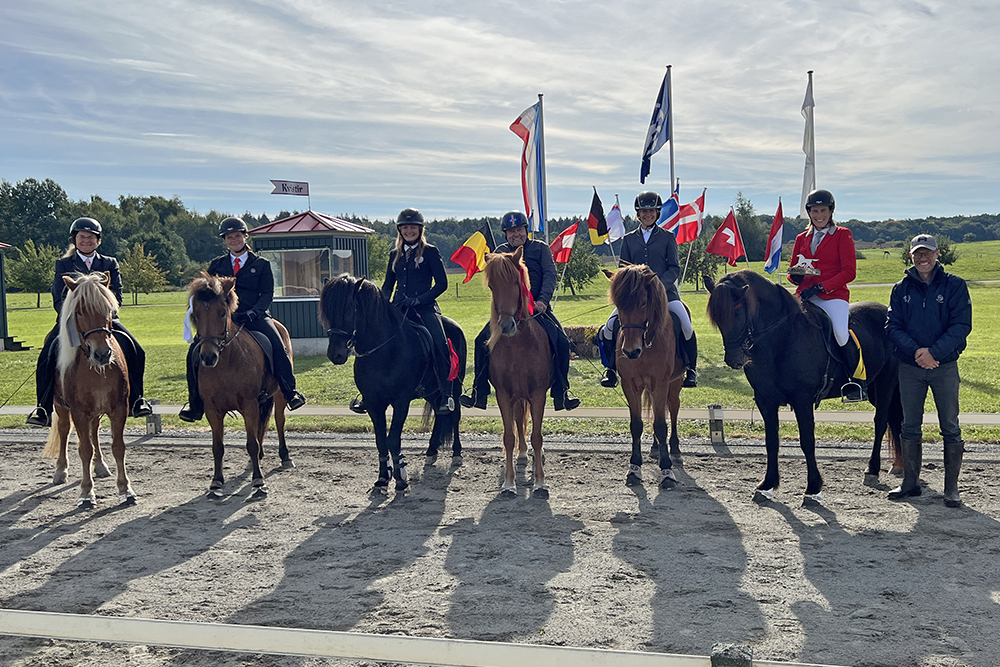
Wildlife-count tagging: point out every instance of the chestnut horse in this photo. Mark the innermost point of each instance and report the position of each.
(91, 381)
(234, 376)
(649, 365)
(520, 362)
(780, 344)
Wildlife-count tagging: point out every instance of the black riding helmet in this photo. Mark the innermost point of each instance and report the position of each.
(85, 225)
(410, 216)
(821, 198)
(648, 200)
(233, 224)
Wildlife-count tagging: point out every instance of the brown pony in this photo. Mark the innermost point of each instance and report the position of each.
(233, 375)
(649, 365)
(520, 363)
(91, 381)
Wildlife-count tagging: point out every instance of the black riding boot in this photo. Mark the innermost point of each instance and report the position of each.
(610, 377)
(691, 354)
(855, 389)
(45, 382)
(912, 458)
(952, 465)
(135, 359)
(195, 408)
(481, 380)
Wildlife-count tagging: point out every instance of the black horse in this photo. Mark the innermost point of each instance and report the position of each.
(783, 347)
(392, 366)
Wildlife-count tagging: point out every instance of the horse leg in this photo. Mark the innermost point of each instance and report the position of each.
(540, 489)
(279, 427)
(769, 414)
(251, 422)
(377, 415)
(126, 496)
(456, 442)
(521, 424)
(508, 486)
(875, 460)
(807, 440)
(667, 478)
(400, 409)
(85, 448)
(100, 467)
(674, 405)
(634, 400)
(216, 421)
(62, 425)
(435, 442)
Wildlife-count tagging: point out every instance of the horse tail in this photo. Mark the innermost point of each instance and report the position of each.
(53, 447)
(264, 411)
(647, 404)
(425, 419)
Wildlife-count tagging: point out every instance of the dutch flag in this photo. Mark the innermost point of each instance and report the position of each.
(773, 249)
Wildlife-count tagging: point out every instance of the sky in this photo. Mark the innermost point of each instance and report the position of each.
(382, 106)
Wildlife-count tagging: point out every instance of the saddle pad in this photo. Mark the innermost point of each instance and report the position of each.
(265, 346)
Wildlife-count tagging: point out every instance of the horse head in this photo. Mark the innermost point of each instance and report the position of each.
(641, 300)
(732, 307)
(338, 312)
(213, 302)
(90, 306)
(507, 278)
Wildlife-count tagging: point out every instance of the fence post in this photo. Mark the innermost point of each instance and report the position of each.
(154, 422)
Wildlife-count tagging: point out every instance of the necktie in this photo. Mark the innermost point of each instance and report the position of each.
(87, 260)
(817, 237)
(236, 266)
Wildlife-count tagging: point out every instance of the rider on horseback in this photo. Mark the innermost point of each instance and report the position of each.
(82, 257)
(416, 271)
(829, 248)
(543, 277)
(655, 247)
(255, 289)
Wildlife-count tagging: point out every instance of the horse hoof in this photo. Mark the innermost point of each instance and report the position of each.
(214, 494)
(85, 503)
(763, 494)
(813, 498)
(871, 479)
(101, 470)
(431, 459)
(287, 464)
(540, 492)
(634, 477)
(654, 453)
(216, 485)
(676, 458)
(59, 477)
(667, 479)
(456, 461)
(259, 493)
(127, 499)
(896, 471)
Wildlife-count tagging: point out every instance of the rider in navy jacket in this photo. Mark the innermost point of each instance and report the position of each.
(935, 315)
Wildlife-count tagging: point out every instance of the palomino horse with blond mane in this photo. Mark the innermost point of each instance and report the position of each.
(520, 362)
(649, 365)
(234, 375)
(91, 381)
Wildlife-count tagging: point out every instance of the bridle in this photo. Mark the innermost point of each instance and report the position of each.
(749, 335)
(351, 335)
(644, 326)
(222, 341)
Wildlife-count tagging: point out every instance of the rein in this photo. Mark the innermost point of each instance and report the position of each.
(226, 340)
(351, 336)
(749, 336)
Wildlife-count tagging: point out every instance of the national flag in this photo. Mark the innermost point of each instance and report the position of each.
(671, 209)
(727, 241)
(596, 223)
(563, 245)
(773, 249)
(689, 220)
(809, 148)
(528, 126)
(616, 223)
(659, 132)
(471, 255)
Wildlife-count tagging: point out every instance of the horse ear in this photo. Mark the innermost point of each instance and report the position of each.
(105, 278)
(70, 283)
(518, 253)
(609, 274)
(227, 285)
(358, 286)
(708, 282)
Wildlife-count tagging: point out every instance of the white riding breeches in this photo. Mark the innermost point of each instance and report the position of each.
(838, 311)
(676, 307)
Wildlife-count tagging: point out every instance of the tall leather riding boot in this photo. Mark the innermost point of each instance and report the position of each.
(691, 352)
(952, 464)
(610, 377)
(856, 388)
(481, 380)
(912, 459)
(195, 408)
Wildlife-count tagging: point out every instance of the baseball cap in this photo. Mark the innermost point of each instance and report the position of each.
(923, 241)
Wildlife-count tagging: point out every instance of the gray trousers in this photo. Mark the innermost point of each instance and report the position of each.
(943, 382)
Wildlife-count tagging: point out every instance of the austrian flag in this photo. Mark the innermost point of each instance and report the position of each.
(563, 245)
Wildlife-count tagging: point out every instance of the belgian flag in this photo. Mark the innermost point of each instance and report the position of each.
(596, 222)
(471, 255)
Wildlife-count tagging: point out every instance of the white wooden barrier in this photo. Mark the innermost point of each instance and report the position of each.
(319, 643)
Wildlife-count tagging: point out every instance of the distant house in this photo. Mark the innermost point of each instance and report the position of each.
(306, 250)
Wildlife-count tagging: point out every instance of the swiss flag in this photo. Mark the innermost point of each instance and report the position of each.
(727, 241)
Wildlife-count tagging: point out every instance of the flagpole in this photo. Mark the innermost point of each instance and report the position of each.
(670, 124)
(808, 147)
(543, 199)
(684, 273)
(561, 286)
(738, 231)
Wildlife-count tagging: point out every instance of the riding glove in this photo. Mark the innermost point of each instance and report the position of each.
(810, 292)
(410, 302)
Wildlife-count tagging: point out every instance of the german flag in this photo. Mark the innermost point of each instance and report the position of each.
(471, 255)
(596, 222)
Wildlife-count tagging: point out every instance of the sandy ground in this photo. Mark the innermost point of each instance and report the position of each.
(856, 581)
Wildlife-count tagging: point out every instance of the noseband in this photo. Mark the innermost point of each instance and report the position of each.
(352, 335)
(644, 326)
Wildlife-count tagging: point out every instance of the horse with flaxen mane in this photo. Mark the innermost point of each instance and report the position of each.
(91, 381)
(520, 363)
(783, 348)
(649, 365)
(234, 375)
(392, 366)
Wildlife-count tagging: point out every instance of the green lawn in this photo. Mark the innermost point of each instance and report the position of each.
(157, 322)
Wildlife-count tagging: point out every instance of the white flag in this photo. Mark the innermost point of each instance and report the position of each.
(616, 224)
(809, 148)
(299, 188)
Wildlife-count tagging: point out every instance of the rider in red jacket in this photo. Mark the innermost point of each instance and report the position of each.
(828, 248)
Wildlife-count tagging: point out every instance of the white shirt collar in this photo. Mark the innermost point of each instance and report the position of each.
(85, 258)
(242, 258)
(646, 233)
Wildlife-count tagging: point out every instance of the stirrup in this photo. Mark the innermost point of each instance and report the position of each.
(610, 379)
(190, 414)
(472, 400)
(295, 401)
(141, 408)
(853, 392)
(39, 417)
(690, 378)
(357, 404)
(447, 405)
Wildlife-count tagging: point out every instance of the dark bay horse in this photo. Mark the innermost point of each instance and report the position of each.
(520, 363)
(234, 376)
(780, 344)
(91, 381)
(649, 365)
(391, 367)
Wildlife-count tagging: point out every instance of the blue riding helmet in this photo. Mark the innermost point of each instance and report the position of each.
(513, 219)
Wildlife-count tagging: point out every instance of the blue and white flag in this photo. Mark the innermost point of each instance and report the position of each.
(671, 209)
(773, 249)
(528, 126)
(659, 132)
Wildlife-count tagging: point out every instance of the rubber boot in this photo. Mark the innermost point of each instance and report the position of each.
(952, 464)
(912, 459)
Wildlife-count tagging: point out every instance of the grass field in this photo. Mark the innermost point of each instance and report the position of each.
(157, 322)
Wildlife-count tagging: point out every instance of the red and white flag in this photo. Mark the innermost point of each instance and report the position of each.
(687, 225)
(563, 245)
(727, 241)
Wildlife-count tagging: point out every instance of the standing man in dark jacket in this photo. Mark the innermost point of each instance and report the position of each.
(543, 277)
(655, 247)
(255, 290)
(930, 317)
